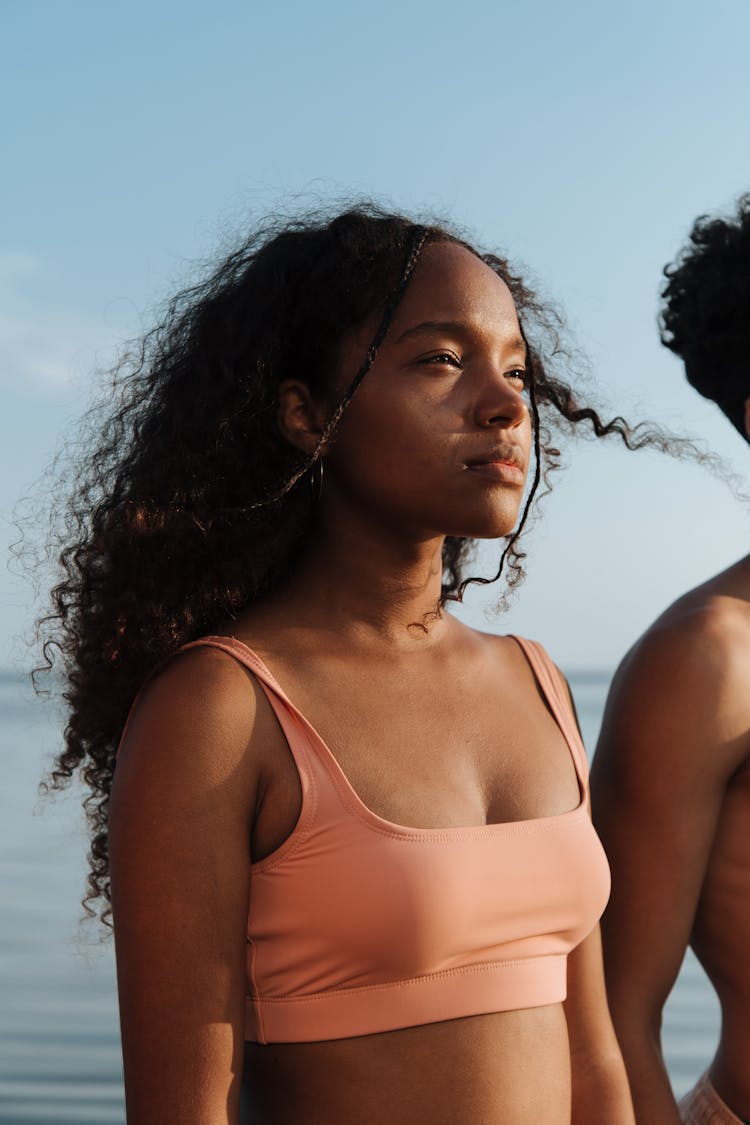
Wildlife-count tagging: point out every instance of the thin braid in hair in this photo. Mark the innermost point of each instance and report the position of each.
(417, 240)
(415, 244)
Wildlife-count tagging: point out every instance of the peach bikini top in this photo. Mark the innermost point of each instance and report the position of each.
(358, 925)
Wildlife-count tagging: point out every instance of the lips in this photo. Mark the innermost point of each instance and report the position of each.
(500, 455)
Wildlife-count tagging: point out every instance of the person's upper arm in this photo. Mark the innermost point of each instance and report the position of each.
(668, 747)
(600, 1085)
(183, 796)
(599, 1082)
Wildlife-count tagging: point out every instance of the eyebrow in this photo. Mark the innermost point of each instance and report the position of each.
(452, 326)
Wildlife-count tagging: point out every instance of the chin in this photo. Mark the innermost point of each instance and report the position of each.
(494, 524)
(483, 529)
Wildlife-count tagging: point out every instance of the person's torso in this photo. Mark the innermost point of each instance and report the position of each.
(427, 860)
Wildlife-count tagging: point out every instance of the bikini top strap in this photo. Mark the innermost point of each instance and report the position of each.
(554, 688)
(283, 708)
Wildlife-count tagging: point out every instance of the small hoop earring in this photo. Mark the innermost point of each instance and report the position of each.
(316, 481)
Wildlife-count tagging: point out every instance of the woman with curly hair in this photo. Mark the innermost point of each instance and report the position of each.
(348, 836)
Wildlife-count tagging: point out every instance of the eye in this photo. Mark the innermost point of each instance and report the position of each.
(439, 359)
(518, 375)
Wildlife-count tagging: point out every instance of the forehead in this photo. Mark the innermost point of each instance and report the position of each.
(451, 283)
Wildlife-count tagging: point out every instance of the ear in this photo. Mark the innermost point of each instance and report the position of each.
(300, 417)
(747, 418)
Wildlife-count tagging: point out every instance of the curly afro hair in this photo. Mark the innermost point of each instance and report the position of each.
(705, 317)
(185, 504)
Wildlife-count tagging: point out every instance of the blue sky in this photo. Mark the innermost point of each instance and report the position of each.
(581, 139)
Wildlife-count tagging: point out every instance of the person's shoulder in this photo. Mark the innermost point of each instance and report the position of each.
(522, 653)
(519, 647)
(701, 639)
(496, 648)
(499, 643)
(202, 705)
(683, 685)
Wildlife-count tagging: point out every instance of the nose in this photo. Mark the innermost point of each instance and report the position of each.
(500, 403)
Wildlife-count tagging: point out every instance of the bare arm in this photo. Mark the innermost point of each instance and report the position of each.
(600, 1084)
(182, 801)
(600, 1091)
(667, 750)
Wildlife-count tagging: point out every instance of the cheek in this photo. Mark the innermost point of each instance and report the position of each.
(393, 453)
(378, 449)
(381, 422)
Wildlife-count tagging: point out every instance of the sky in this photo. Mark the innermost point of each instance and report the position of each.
(581, 139)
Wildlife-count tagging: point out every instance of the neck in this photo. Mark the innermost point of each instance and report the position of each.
(371, 583)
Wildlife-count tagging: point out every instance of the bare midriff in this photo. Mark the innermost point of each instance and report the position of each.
(507, 1068)
(721, 940)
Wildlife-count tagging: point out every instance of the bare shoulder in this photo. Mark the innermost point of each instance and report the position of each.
(707, 630)
(508, 657)
(497, 646)
(201, 719)
(499, 652)
(507, 648)
(701, 642)
(685, 685)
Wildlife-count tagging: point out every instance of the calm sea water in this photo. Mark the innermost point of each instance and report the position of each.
(59, 1045)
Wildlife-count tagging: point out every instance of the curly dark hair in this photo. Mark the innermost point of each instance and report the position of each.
(187, 504)
(705, 316)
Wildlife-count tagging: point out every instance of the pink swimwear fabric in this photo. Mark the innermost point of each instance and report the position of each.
(703, 1106)
(358, 925)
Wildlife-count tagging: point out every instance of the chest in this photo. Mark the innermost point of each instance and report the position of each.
(435, 748)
